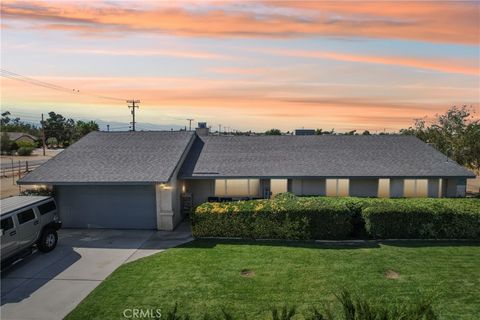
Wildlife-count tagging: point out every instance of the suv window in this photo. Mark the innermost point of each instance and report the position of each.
(7, 224)
(47, 207)
(25, 216)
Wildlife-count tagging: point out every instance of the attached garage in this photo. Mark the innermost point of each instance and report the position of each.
(118, 180)
(107, 206)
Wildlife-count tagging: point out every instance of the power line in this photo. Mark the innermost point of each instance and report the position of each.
(15, 76)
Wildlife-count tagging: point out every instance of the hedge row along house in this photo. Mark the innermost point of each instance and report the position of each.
(148, 180)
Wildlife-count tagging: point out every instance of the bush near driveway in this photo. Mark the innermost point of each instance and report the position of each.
(289, 217)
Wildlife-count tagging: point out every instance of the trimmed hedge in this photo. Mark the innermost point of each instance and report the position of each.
(423, 219)
(301, 218)
(285, 217)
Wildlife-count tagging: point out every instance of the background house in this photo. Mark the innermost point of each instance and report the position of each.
(137, 180)
(21, 137)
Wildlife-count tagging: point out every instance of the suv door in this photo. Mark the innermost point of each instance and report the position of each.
(28, 227)
(9, 237)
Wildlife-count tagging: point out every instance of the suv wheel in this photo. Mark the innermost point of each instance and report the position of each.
(48, 240)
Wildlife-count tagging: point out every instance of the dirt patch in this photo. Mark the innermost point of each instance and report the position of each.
(247, 273)
(390, 274)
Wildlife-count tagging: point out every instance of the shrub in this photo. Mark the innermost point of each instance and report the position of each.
(26, 144)
(37, 192)
(289, 217)
(23, 151)
(284, 217)
(423, 219)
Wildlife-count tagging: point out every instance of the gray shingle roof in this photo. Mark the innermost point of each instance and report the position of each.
(115, 157)
(317, 156)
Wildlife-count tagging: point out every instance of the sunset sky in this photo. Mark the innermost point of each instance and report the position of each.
(247, 65)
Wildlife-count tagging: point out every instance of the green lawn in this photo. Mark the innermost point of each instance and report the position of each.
(204, 276)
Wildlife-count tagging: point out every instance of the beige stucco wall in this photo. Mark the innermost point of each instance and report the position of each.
(168, 198)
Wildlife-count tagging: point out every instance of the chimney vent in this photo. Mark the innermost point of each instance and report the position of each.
(202, 129)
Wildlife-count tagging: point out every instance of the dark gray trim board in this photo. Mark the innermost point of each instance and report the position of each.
(325, 177)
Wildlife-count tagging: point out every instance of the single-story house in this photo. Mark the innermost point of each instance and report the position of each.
(143, 180)
(21, 137)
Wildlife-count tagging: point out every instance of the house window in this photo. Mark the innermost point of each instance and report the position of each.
(383, 188)
(237, 187)
(337, 187)
(278, 186)
(415, 188)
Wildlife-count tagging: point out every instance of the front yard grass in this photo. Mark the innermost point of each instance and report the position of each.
(248, 278)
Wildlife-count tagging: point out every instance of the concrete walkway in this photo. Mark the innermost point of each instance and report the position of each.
(49, 286)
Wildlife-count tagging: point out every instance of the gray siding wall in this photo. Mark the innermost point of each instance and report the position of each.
(200, 190)
(454, 187)
(108, 206)
(308, 187)
(396, 188)
(363, 187)
(433, 185)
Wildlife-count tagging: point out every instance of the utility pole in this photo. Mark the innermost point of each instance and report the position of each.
(108, 128)
(133, 106)
(190, 124)
(43, 136)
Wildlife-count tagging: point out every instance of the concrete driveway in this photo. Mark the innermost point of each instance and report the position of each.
(49, 286)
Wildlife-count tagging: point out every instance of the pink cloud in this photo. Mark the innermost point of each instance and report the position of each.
(453, 22)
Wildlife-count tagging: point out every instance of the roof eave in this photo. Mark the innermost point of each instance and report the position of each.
(195, 177)
(71, 183)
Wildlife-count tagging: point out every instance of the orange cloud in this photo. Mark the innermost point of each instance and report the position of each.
(246, 104)
(440, 65)
(454, 22)
(187, 53)
(240, 70)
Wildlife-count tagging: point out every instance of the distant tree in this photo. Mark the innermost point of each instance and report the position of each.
(350, 133)
(273, 132)
(83, 128)
(7, 146)
(8, 124)
(322, 132)
(60, 128)
(455, 133)
(366, 133)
